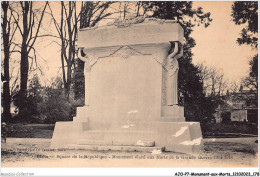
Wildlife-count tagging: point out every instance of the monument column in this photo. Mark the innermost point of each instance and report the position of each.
(172, 69)
(87, 83)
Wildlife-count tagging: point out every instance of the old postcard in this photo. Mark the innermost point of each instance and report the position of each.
(130, 84)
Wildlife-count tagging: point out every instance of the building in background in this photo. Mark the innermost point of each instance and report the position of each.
(241, 105)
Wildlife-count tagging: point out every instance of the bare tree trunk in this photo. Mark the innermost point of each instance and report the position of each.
(6, 77)
(28, 40)
(89, 15)
(71, 52)
(68, 79)
(24, 68)
(24, 64)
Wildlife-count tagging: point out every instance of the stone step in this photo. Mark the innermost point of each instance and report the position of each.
(117, 135)
(172, 119)
(114, 148)
(142, 143)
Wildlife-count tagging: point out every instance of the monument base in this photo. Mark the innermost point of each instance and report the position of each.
(168, 133)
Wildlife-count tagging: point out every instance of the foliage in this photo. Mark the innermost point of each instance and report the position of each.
(246, 12)
(226, 117)
(251, 81)
(55, 106)
(90, 15)
(45, 104)
(254, 67)
(31, 101)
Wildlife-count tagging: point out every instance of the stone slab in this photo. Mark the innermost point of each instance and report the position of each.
(185, 137)
(172, 119)
(82, 114)
(172, 111)
(114, 148)
(66, 132)
(194, 127)
(117, 135)
(124, 89)
(168, 114)
(95, 142)
(142, 143)
(142, 33)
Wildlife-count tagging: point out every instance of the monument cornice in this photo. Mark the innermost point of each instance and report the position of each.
(122, 23)
(146, 32)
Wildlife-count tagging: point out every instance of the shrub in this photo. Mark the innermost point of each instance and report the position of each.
(55, 107)
(226, 117)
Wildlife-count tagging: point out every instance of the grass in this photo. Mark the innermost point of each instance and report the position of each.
(30, 130)
(233, 129)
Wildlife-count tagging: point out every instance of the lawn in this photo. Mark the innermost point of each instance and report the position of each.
(30, 130)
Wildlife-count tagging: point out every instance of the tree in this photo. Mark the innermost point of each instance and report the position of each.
(32, 99)
(8, 31)
(251, 81)
(213, 81)
(54, 106)
(29, 28)
(246, 12)
(91, 13)
(214, 87)
(67, 30)
(234, 87)
(254, 67)
(67, 27)
(190, 83)
(34, 96)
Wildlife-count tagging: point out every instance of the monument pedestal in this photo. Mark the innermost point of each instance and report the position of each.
(130, 92)
(182, 137)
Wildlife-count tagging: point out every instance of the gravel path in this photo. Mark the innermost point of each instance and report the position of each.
(222, 152)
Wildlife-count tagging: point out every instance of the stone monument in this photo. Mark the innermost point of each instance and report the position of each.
(131, 98)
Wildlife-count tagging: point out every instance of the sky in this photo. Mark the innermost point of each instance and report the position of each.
(216, 45)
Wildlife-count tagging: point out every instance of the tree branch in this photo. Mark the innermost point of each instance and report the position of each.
(55, 22)
(12, 36)
(38, 28)
(17, 21)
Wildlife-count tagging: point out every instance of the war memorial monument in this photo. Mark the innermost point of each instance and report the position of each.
(131, 92)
